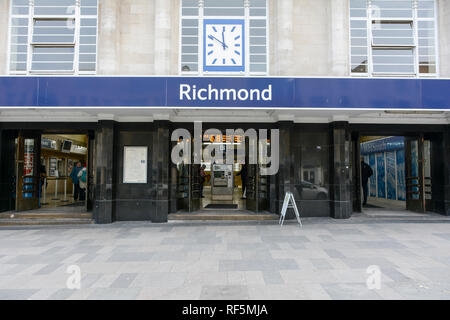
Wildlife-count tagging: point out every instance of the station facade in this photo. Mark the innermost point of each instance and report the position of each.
(111, 84)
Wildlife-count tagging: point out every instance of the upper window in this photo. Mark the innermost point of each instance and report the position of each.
(53, 36)
(223, 36)
(393, 37)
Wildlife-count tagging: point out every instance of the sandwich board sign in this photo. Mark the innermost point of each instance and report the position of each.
(289, 202)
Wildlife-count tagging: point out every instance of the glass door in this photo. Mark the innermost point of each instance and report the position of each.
(28, 181)
(415, 174)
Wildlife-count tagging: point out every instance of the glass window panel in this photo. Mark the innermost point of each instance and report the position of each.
(358, 13)
(257, 3)
(427, 68)
(189, 12)
(258, 32)
(257, 49)
(88, 22)
(52, 66)
(392, 33)
(88, 48)
(87, 67)
(189, 58)
(88, 40)
(87, 57)
(224, 12)
(189, 23)
(88, 3)
(88, 11)
(257, 40)
(258, 68)
(258, 58)
(189, 49)
(13, 66)
(359, 50)
(359, 60)
(257, 12)
(221, 3)
(189, 40)
(189, 67)
(189, 31)
(258, 23)
(18, 57)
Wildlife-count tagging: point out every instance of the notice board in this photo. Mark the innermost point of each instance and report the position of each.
(135, 164)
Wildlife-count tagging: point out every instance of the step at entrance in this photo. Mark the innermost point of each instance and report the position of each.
(223, 216)
(20, 219)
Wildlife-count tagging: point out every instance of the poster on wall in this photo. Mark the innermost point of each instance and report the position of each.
(135, 164)
(381, 176)
(391, 178)
(28, 157)
(401, 186)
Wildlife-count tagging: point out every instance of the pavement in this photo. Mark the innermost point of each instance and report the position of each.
(389, 257)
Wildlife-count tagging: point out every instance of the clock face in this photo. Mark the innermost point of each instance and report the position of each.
(223, 45)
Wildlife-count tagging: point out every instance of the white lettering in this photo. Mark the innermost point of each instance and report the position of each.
(188, 92)
(184, 90)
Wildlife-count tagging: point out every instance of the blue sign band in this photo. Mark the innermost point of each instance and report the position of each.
(228, 92)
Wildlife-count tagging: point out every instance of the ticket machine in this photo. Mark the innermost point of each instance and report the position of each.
(222, 182)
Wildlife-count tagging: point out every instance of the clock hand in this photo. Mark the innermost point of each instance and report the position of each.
(214, 38)
(223, 41)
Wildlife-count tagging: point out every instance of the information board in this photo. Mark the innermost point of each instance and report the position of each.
(135, 164)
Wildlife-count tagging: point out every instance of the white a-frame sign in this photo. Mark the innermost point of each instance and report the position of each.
(289, 202)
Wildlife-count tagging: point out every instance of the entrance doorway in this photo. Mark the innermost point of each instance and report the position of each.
(396, 173)
(43, 178)
(210, 186)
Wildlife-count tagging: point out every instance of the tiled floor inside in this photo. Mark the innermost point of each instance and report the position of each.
(326, 259)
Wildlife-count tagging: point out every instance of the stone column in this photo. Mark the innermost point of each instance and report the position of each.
(4, 23)
(340, 170)
(284, 41)
(160, 175)
(444, 36)
(339, 37)
(446, 161)
(104, 172)
(162, 37)
(108, 37)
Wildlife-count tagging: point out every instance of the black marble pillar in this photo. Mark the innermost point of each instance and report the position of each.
(285, 178)
(104, 172)
(446, 167)
(160, 166)
(340, 170)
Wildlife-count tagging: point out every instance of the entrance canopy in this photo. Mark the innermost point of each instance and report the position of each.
(225, 92)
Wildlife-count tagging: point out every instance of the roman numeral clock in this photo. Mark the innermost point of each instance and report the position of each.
(223, 45)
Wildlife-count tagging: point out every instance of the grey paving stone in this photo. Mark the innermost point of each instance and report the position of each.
(16, 294)
(124, 280)
(224, 292)
(272, 277)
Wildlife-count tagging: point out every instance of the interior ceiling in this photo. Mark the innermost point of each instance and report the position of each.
(78, 139)
(221, 115)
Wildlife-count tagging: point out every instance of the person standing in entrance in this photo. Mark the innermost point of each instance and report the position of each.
(82, 176)
(202, 179)
(243, 174)
(366, 173)
(76, 180)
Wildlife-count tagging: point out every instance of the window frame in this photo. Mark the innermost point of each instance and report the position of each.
(246, 18)
(414, 20)
(77, 17)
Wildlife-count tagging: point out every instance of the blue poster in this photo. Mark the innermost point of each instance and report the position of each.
(414, 169)
(381, 177)
(401, 186)
(373, 178)
(390, 173)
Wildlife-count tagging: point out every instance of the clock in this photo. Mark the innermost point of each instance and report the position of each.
(223, 45)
